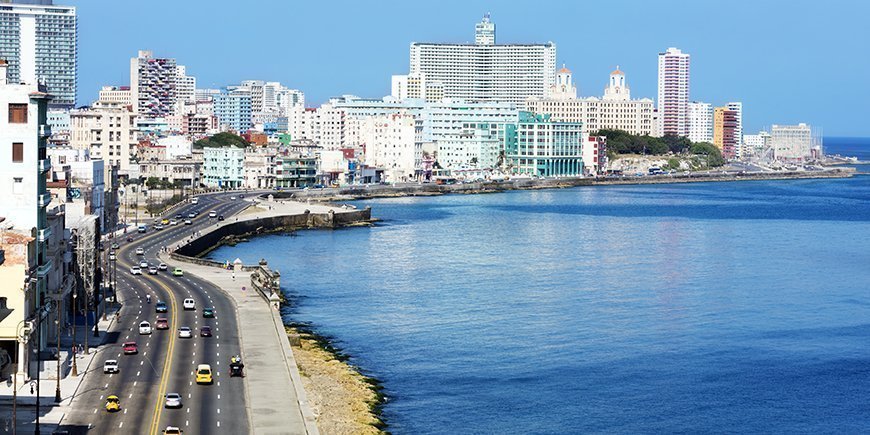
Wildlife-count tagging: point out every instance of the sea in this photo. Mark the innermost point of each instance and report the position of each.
(705, 307)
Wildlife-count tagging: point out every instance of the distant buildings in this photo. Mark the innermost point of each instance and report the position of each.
(223, 167)
(391, 142)
(120, 95)
(793, 143)
(107, 131)
(614, 111)
(700, 121)
(673, 92)
(483, 71)
(40, 42)
(725, 131)
(233, 110)
(153, 85)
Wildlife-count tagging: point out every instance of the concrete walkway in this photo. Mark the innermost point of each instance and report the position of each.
(51, 412)
(274, 387)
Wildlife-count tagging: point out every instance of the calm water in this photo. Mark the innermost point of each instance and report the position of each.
(694, 308)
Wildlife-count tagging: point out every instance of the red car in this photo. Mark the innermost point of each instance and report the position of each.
(205, 331)
(162, 323)
(130, 348)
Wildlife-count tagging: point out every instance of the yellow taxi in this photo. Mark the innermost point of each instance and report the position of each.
(203, 374)
(165, 221)
(113, 404)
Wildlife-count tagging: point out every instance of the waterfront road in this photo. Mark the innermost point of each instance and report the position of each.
(166, 362)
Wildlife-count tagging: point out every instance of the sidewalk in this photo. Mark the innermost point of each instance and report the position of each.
(52, 412)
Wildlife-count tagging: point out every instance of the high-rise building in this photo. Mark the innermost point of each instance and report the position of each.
(673, 95)
(486, 71)
(614, 111)
(185, 87)
(737, 108)
(39, 42)
(108, 131)
(233, 110)
(700, 121)
(725, 131)
(153, 85)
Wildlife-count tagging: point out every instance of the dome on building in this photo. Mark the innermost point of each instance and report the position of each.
(564, 70)
(617, 71)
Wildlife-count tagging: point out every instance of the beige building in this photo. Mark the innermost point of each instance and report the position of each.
(614, 111)
(116, 95)
(107, 131)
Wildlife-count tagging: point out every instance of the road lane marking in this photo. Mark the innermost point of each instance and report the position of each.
(137, 374)
(121, 425)
(107, 386)
(95, 409)
(131, 396)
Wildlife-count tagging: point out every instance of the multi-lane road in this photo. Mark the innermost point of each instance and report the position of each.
(165, 362)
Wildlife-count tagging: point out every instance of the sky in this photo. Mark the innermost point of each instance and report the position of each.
(787, 61)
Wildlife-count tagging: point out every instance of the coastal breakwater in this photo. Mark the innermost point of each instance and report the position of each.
(493, 186)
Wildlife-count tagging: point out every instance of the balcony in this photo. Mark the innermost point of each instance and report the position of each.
(44, 199)
(44, 234)
(44, 165)
(44, 269)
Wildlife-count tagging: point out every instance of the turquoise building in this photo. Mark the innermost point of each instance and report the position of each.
(538, 146)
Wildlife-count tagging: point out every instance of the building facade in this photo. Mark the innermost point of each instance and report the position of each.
(392, 143)
(153, 85)
(725, 132)
(737, 108)
(108, 131)
(40, 42)
(486, 71)
(538, 146)
(116, 95)
(614, 111)
(233, 110)
(673, 92)
(700, 121)
(223, 167)
(793, 143)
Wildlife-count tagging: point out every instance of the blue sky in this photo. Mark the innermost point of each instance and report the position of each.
(787, 61)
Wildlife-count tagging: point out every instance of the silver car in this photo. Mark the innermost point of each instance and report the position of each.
(173, 400)
(184, 332)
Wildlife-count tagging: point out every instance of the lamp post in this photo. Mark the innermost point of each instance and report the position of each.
(103, 285)
(57, 398)
(75, 371)
(22, 334)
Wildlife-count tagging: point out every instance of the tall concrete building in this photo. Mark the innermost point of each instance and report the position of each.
(107, 131)
(185, 87)
(725, 131)
(486, 71)
(673, 95)
(700, 121)
(539, 146)
(737, 108)
(39, 42)
(153, 85)
(233, 110)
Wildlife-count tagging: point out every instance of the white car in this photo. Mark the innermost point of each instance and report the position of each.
(188, 222)
(152, 270)
(212, 214)
(140, 251)
(112, 256)
(192, 215)
(158, 227)
(173, 222)
(189, 304)
(173, 400)
(143, 264)
(162, 266)
(172, 430)
(136, 270)
(232, 198)
(144, 328)
(185, 332)
(110, 366)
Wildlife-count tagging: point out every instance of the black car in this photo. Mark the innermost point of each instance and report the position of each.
(179, 216)
(161, 307)
(221, 217)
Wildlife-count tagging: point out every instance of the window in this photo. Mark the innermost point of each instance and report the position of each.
(18, 185)
(17, 152)
(17, 113)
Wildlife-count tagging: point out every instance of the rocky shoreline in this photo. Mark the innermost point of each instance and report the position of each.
(492, 186)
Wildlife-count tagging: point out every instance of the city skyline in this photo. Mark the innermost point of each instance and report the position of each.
(343, 50)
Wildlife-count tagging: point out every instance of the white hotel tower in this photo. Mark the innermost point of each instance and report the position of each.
(486, 71)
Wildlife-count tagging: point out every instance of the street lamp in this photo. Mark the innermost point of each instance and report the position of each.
(22, 334)
(57, 332)
(75, 371)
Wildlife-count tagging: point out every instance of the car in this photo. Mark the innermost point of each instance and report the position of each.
(232, 198)
(192, 214)
(189, 304)
(110, 366)
(177, 272)
(173, 400)
(194, 200)
(188, 222)
(112, 256)
(212, 214)
(136, 270)
(143, 264)
(179, 216)
(208, 313)
(205, 331)
(173, 222)
(172, 430)
(130, 348)
(220, 217)
(144, 328)
(113, 403)
(140, 251)
(184, 332)
(142, 228)
(115, 246)
(160, 307)
(152, 270)
(162, 266)
(203, 374)
(158, 227)
(162, 323)
(129, 238)
(164, 221)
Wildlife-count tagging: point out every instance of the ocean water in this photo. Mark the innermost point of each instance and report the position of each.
(720, 307)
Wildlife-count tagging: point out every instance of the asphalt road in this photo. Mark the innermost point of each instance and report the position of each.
(165, 362)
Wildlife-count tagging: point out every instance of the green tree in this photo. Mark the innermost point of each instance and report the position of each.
(714, 156)
(224, 139)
